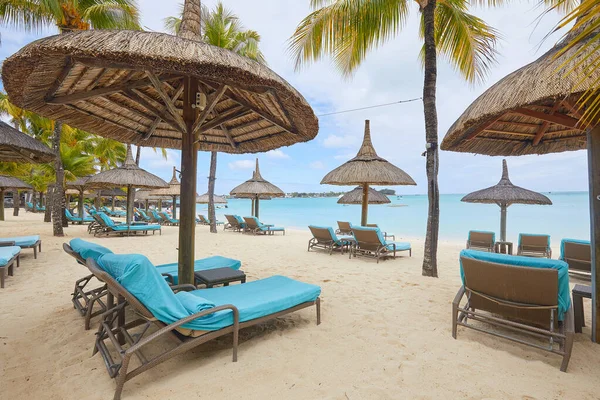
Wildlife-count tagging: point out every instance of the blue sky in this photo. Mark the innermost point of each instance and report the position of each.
(390, 74)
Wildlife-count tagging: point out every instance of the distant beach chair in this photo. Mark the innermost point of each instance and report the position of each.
(156, 218)
(385, 234)
(527, 295)
(205, 221)
(142, 215)
(578, 255)
(234, 223)
(39, 208)
(25, 242)
(73, 219)
(191, 316)
(255, 226)
(9, 255)
(344, 228)
(168, 219)
(371, 243)
(326, 239)
(29, 207)
(533, 245)
(481, 240)
(109, 227)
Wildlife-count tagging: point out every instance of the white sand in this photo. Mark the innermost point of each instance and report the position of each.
(385, 332)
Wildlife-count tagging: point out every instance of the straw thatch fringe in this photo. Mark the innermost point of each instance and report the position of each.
(531, 111)
(16, 146)
(145, 194)
(367, 168)
(174, 188)
(78, 184)
(355, 196)
(10, 182)
(216, 199)
(505, 193)
(257, 186)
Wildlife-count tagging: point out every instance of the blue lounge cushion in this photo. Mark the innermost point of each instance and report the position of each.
(564, 293)
(254, 300)
(193, 304)
(88, 249)
(7, 253)
(240, 221)
(200, 265)
(272, 228)
(562, 245)
(22, 241)
(400, 246)
(106, 219)
(126, 228)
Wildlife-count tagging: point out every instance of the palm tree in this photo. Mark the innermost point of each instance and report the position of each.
(67, 16)
(348, 30)
(222, 28)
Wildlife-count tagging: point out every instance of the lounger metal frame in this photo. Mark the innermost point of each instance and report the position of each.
(232, 224)
(374, 248)
(252, 227)
(9, 266)
(322, 240)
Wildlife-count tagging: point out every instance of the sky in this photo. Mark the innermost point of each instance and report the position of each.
(390, 74)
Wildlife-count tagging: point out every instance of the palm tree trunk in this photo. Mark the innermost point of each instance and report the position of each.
(58, 197)
(211, 192)
(34, 201)
(431, 135)
(16, 203)
(48, 212)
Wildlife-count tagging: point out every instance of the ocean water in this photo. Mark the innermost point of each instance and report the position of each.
(406, 216)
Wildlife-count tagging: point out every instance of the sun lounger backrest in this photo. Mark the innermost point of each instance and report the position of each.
(323, 234)
(368, 238)
(481, 239)
(203, 219)
(232, 220)
(345, 227)
(84, 249)
(577, 253)
(106, 219)
(534, 242)
(252, 222)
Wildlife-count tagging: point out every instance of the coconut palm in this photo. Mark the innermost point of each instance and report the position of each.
(222, 28)
(347, 30)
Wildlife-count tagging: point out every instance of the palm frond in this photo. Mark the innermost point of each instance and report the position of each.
(29, 15)
(112, 14)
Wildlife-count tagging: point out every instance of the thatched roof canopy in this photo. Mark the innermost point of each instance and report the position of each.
(146, 194)
(129, 174)
(505, 193)
(174, 188)
(76, 192)
(257, 186)
(10, 182)
(78, 184)
(16, 146)
(531, 111)
(112, 192)
(128, 86)
(355, 196)
(216, 199)
(367, 168)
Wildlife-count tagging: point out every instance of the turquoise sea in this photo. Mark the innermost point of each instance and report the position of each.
(406, 216)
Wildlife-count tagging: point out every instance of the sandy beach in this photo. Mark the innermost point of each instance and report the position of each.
(385, 331)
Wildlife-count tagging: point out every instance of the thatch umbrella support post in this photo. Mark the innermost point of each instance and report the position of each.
(112, 206)
(593, 145)
(147, 205)
(2, 204)
(175, 207)
(252, 207)
(130, 198)
(503, 210)
(256, 207)
(365, 205)
(80, 206)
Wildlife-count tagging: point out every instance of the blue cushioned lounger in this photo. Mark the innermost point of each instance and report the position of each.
(26, 242)
(111, 227)
(71, 218)
(8, 256)
(255, 226)
(371, 242)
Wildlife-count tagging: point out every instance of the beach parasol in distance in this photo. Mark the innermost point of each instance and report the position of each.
(112, 193)
(504, 193)
(173, 191)
(216, 199)
(155, 89)
(18, 147)
(355, 196)
(10, 182)
(256, 188)
(129, 175)
(79, 186)
(538, 110)
(367, 168)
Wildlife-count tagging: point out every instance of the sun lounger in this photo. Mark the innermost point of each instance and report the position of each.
(385, 234)
(109, 227)
(191, 317)
(481, 240)
(371, 243)
(113, 213)
(26, 242)
(533, 245)
(344, 228)
(40, 208)
(156, 218)
(205, 221)
(142, 214)
(29, 206)
(527, 295)
(167, 219)
(578, 255)
(234, 223)
(171, 271)
(9, 254)
(255, 226)
(73, 219)
(325, 238)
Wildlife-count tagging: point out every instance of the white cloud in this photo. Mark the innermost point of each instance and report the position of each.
(345, 156)
(277, 154)
(241, 164)
(338, 141)
(317, 165)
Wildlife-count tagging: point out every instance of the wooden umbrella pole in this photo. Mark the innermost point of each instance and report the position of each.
(2, 204)
(256, 209)
(130, 196)
(174, 207)
(146, 205)
(593, 144)
(113, 203)
(80, 206)
(189, 162)
(252, 207)
(503, 209)
(365, 205)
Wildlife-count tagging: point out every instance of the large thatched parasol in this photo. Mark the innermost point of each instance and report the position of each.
(256, 188)
(154, 89)
(130, 175)
(355, 196)
(79, 185)
(367, 168)
(173, 191)
(10, 182)
(504, 193)
(146, 196)
(216, 199)
(536, 110)
(16, 146)
(112, 193)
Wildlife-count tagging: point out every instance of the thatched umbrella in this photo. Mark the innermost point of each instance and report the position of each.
(78, 185)
(256, 188)
(536, 110)
(367, 168)
(504, 193)
(112, 193)
(173, 191)
(16, 146)
(10, 182)
(146, 196)
(155, 89)
(216, 199)
(355, 196)
(130, 175)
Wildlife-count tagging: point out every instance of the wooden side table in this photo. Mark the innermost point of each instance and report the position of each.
(219, 276)
(503, 247)
(579, 292)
